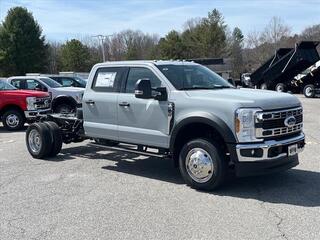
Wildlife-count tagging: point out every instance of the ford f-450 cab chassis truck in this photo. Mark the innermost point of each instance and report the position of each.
(184, 111)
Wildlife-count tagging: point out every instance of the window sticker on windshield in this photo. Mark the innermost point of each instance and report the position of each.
(105, 79)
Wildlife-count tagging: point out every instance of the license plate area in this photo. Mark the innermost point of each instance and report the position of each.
(292, 149)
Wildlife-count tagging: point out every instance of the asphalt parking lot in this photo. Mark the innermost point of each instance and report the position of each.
(91, 193)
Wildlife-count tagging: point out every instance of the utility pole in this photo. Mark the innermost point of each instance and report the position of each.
(102, 39)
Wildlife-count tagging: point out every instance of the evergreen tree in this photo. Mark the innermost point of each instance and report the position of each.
(22, 46)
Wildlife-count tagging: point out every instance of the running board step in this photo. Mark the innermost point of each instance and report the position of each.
(130, 150)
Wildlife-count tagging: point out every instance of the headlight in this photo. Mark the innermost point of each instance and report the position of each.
(31, 103)
(245, 124)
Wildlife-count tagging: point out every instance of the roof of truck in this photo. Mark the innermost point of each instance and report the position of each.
(27, 77)
(155, 62)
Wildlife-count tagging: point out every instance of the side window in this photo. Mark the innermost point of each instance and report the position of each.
(32, 84)
(108, 79)
(67, 82)
(137, 73)
(17, 83)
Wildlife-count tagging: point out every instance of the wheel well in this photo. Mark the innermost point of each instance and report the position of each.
(10, 107)
(193, 131)
(63, 100)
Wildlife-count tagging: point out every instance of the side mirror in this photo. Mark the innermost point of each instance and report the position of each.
(143, 89)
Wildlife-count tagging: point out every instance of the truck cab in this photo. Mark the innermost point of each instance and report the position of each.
(192, 115)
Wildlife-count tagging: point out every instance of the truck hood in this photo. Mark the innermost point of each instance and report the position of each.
(26, 93)
(244, 97)
(69, 89)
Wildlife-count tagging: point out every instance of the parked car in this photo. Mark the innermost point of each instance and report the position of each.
(20, 106)
(67, 81)
(64, 99)
(184, 111)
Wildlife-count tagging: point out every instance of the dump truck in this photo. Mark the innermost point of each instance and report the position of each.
(278, 72)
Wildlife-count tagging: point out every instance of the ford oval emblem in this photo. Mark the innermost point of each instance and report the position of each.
(290, 121)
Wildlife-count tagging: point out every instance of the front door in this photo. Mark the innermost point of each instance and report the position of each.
(100, 102)
(142, 121)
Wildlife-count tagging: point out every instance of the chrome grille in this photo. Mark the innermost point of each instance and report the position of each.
(43, 103)
(272, 123)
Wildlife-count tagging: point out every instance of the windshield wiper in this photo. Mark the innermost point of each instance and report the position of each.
(205, 88)
(221, 86)
(195, 88)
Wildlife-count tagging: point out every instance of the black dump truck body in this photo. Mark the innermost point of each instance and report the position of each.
(285, 65)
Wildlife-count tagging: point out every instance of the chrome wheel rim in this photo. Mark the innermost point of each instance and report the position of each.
(12, 120)
(280, 88)
(34, 141)
(199, 165)
(308, 91)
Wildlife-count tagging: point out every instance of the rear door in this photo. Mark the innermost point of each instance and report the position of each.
(100, 103)
(142, 121)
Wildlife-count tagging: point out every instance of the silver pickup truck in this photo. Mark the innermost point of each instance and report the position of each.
(184, 111)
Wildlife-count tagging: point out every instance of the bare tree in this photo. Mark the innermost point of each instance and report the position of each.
(311, 33)
(275, 31)
(53, 57)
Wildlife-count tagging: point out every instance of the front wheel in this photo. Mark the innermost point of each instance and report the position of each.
(202, 164)
(13, 120)
(280, 87)
(308, 91)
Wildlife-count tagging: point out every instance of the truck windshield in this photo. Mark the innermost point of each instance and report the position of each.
(51, 83)
(81, 81)
(190, 77)
(6, 86)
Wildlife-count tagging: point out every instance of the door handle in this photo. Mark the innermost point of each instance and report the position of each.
(124, 104)
(90, 102)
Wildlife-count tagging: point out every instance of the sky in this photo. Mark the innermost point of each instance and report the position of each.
(65, 19)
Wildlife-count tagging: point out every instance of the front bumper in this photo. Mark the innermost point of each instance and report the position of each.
(266, 157)
(33, 114)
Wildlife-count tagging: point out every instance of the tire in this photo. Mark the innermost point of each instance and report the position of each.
(264, 86)
(214, 163)
(64, 108)
(13, 120)
(39, 140)
(56, 138)
(280, 87)
(308, 91)
(106, 142)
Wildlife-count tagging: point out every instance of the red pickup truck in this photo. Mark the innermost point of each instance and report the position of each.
(20, 106)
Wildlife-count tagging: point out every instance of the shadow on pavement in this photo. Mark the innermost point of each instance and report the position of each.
(295, 187)
(3, 130)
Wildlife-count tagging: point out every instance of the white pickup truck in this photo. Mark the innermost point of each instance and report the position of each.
(184, 111)
(64, 99)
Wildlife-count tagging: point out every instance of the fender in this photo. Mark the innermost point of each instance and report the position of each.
(57, 98)
(211, 120)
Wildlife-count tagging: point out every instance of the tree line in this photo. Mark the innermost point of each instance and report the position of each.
(23, 47)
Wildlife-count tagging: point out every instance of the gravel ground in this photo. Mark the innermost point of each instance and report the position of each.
(91, 193)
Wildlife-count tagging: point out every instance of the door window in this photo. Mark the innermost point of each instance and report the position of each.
(67, 82)
(108, 79)
(17, 83)
(32, 84)
(137, 73)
